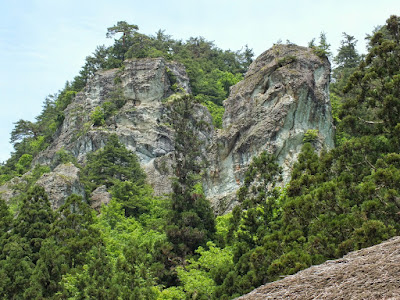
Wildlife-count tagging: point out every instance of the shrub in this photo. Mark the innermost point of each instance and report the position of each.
(97, 117)
(310, 136)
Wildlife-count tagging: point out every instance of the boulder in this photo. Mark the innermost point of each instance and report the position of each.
(99, 197)
(62, 182)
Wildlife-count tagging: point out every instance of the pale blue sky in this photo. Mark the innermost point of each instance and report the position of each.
(43, 43)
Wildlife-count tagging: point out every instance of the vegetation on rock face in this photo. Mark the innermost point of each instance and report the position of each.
(211, 72)
(144, 247)
(323, 48)
(112, 164)
(191, 221)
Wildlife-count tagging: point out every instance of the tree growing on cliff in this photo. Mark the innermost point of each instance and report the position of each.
(323, 49)
(111, 164)
(191, 220)
(347, 56)
(122, 27)
(24, 129)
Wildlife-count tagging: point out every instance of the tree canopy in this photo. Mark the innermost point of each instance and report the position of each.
(122, 27)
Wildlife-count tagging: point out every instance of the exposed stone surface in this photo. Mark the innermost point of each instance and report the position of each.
(144, 83)
(61, 183)
(10, 189)
(99, 197)
(139, 123)
(284, 94)
(370, 273)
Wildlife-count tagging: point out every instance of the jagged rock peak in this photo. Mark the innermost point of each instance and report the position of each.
(283, 95)
(283, 70)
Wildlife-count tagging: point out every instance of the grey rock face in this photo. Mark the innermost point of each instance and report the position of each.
(99, 197)
(61, 183)
(284, 94)
(10, 189)
(143, 83)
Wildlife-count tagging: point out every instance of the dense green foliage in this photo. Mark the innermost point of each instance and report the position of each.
(144, 247)
(191, 221)
(113, 163)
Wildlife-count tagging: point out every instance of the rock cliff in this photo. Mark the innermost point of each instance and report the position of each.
(142, 84)
(284, 94)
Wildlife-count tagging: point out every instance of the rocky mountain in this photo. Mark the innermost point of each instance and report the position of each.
(370, 273)
(283, 95)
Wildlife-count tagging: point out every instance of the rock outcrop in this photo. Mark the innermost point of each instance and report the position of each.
(284, 94)
(370, 273)
(62, 182)
(142, 83)
(11, 189)
(100, 196)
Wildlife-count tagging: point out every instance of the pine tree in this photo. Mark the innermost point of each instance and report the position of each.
(374, 101)
(111, 164)
(73, 230)
(347, 56)
(191, 219)
(124, 28)
(34, 219)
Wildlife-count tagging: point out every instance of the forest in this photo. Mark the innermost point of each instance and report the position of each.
(174, 247)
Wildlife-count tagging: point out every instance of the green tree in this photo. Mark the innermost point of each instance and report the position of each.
(24, 129)
(73, 230)
(71, 238)
(95, 280)
(122, 27)
(135, 199)
(374, 101)
(347, 56)
(323, 48)
(111, 164)
(47, 273)
(16, 268)
(191, 219)
(97, 116)
(21, 245)
(23, 163)
(34, 219)
(5, 218)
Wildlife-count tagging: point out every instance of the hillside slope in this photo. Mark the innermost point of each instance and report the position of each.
(370, 273)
